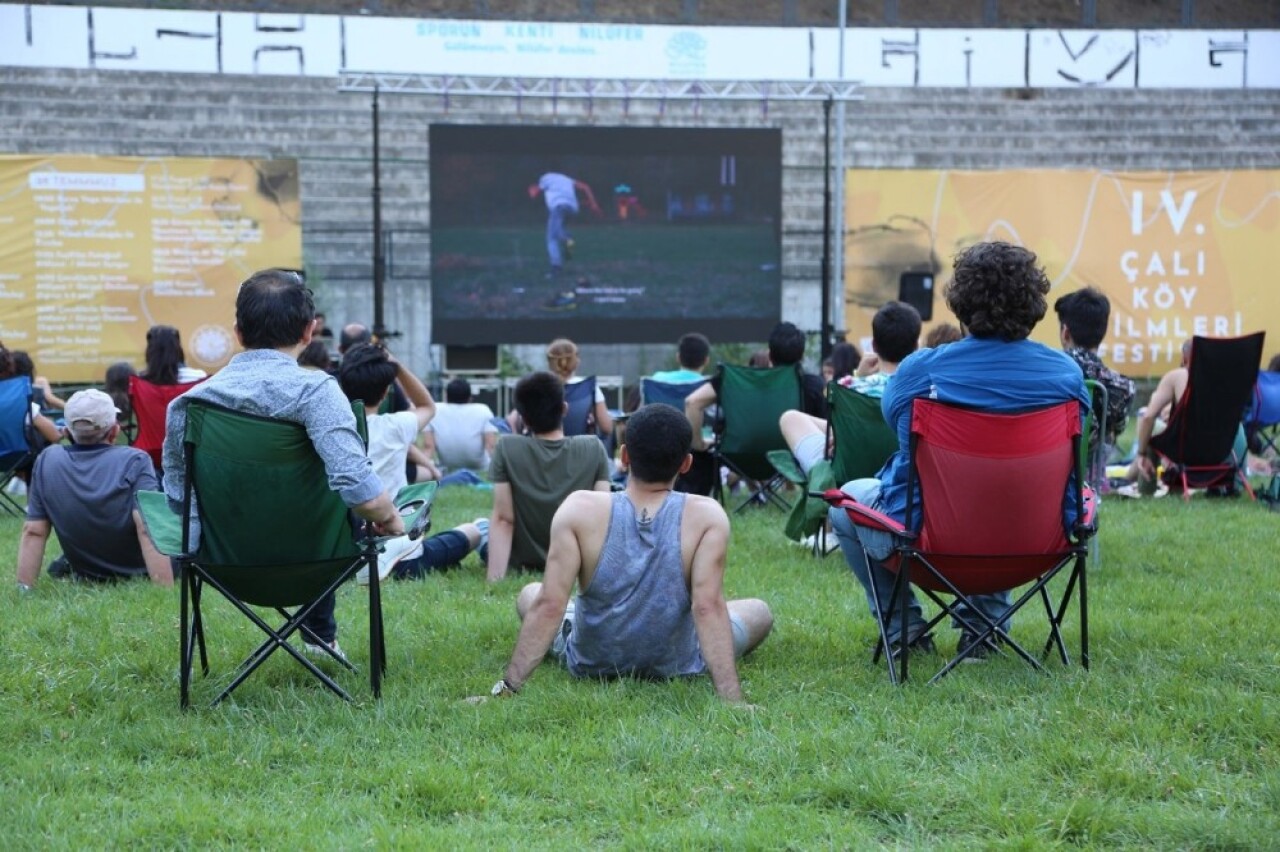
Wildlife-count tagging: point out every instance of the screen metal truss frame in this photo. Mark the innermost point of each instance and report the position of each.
(619, 90)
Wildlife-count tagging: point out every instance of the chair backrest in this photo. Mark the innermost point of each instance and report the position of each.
(991, 488)
(150, 403)
(15, 414)
(751, 403)
(270, 526)
(863, 441)
(1093, 440)
(670, 393)
(581, 399)
(1220, 383)
(1265, 410)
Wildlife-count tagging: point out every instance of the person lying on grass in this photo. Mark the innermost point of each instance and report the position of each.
(649, 564)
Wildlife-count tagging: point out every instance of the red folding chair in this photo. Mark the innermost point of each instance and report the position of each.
(150, 405)
(992, 491)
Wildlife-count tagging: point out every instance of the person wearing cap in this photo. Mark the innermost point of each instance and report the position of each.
(85, 493)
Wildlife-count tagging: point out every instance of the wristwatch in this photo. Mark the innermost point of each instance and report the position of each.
(503, 689)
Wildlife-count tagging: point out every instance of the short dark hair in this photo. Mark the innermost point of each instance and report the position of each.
(352, 334)
(997, 290)
(273, 309)
(22, 364)
(786, 345)
(539, 399)
(693, 350)
(366, 373)
(1085, 314)
(844, 359)
(458, 392)
(895, 331)
(941, 334)
(316, 354)
(658, 439)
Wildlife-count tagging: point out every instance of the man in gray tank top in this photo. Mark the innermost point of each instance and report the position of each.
(649, 564)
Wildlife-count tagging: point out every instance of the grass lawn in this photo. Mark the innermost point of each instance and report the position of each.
(1172, 740)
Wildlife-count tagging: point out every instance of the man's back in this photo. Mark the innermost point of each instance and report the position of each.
(542, 473)
(87, 493)
(634, 615)
(459, 429)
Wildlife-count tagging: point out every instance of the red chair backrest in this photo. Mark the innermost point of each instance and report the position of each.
(150, 404)
(992, 488)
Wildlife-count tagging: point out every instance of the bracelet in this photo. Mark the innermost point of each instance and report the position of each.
(503, 689)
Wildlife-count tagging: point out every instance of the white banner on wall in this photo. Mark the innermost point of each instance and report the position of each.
(164, 40)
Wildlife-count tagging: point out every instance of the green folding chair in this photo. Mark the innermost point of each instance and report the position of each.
(861, 442)
(272, 535)
(751, 403)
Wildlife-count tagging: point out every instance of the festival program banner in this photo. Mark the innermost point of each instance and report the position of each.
(96, 250)
(1177, 253)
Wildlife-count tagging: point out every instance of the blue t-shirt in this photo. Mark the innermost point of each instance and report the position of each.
(677, 377)
(985, 373)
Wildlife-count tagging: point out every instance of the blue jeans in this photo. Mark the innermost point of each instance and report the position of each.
(865, 550)
(557, 233)
(438, 553)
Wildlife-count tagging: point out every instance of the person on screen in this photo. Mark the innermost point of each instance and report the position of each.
(560, 192)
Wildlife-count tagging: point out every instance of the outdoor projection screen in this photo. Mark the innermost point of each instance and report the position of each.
(687, 238)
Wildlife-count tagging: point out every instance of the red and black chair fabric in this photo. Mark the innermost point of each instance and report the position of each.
(150, 405)
(989, 492)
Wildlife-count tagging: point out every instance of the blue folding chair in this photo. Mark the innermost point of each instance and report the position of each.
(16, 452)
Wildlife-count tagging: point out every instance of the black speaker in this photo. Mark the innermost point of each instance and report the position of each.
(470, 359)
(916, 289)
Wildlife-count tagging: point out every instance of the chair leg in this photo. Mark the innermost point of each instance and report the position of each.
(184, 643)
(1084, 611)
(197, 623)
(883, 647)
(377, 658)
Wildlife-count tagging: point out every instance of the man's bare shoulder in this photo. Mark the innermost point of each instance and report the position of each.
(704, 510)
(586, 506)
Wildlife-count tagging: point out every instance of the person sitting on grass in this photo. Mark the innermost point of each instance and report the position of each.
(533, 474)
(366, 375)
(649, 565)
(85, 493)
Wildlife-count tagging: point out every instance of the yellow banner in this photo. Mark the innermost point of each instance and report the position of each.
(1177, 253)
(96, 250)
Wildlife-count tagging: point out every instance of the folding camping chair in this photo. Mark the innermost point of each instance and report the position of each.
(989, 518)
(668, 393)
(751, 402)
(150, 403)
(1198, 445)
(16, 452)
(860, 441)
(1262, 424)
(272, 535)
(580, 419)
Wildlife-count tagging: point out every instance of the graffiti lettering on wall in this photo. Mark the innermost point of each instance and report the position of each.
(162, 40)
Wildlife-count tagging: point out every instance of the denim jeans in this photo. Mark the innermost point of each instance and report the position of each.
(438, 553)
(865, 550)
(557, 234)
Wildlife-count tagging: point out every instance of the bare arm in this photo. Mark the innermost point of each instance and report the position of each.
(35, 535)
(604, 420)
(51, 399)
(710, 613)
(417, 394)
(502, 524)
(589, 195)
(1162, 396)
(159, 568)
(46, 428)
(695, 408)
(538, 631)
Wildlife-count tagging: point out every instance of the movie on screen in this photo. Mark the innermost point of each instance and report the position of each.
(604, 234)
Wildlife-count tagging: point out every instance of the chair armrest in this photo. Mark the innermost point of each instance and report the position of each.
(414, 502)
(863, 516)
(162, 524)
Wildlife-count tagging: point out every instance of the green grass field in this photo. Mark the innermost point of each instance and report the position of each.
(640, 271)
(1171, 741)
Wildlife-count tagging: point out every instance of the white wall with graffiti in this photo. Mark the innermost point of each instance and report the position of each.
(160, 40)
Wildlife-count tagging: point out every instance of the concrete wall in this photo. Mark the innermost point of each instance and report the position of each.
(128, 113)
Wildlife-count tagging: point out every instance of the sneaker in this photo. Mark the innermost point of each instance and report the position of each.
(326, 651)
(482, 524)
(919, 645)
(566, 301)
(16, 487)
(1133, 491)
(59, 568)
(978, 654)
(568, 249)
(395, 551)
